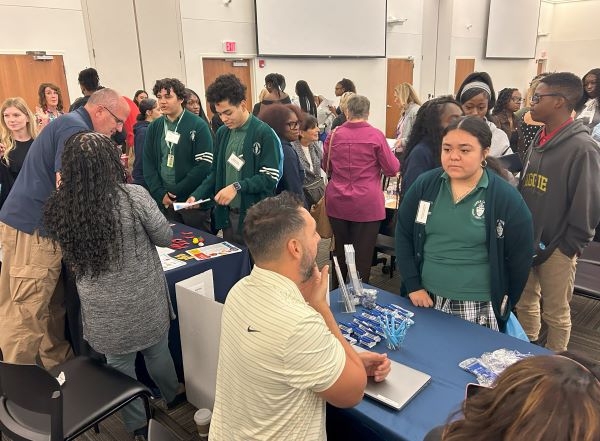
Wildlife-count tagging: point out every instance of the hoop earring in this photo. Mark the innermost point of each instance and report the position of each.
(484, 163)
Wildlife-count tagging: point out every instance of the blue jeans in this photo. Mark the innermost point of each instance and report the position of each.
(162, 371)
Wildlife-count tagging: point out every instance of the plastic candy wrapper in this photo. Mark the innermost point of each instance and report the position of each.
(395, 329)
(491, 364)
(369, 298)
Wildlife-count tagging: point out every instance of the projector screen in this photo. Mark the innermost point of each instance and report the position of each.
(512, 28)
(321, 28)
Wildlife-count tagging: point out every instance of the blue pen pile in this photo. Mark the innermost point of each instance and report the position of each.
(384, 321)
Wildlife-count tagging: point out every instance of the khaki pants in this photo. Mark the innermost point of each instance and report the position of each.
(552, 283)
(32, 309)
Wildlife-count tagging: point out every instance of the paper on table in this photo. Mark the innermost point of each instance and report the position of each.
(162, 251)
(181, 205)
(169, 263)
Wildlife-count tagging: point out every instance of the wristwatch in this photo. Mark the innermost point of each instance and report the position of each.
(237, 186)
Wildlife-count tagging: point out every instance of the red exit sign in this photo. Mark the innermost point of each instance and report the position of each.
(229, 47)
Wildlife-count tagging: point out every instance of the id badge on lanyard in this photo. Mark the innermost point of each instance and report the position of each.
(171, 138)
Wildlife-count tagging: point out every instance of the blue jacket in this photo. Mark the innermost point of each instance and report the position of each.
(293, 172)
(509, 239)
(418, 162)
(139, 136)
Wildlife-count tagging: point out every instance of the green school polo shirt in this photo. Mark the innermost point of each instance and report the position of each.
(168, 173)
(236, 146)
(455, 256)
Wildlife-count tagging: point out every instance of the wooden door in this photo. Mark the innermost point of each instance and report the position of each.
(213, 67)
(21, 75)
(398, 71)
(464, 66)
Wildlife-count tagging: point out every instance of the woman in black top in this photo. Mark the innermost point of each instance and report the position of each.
(285, 121)
(306, 99)
(508, 102)
(17, 132)
(275, 84)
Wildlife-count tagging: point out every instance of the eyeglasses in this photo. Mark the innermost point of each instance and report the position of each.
(293, 124)
(535, 98)
(517, 100)
(119, 122)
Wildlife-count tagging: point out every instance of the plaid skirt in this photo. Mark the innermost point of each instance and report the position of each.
(481, 313)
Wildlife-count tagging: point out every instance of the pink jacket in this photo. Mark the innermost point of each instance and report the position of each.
(359, 155)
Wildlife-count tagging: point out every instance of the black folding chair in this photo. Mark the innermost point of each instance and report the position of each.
(158, 432)
(35, 407)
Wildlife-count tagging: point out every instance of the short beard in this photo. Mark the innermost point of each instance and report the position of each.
(307, 266)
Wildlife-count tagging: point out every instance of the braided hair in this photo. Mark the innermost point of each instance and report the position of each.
(83, 214)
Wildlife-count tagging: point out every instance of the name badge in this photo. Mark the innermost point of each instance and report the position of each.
(170, 160)
(236, 161)
(423, 212)
(172, 137)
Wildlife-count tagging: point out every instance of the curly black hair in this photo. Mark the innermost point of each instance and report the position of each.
(428, 126)
(347, 85)
(189, 94)
(483, 77)
(89, 79)
(504, 97)
(226, 87)
(275, 81)
(168, 84)
(82, 215)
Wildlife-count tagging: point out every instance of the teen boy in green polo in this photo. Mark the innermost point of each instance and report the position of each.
(177, 155)
(247, 163)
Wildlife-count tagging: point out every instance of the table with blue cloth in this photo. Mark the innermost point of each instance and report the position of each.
(435, 344)
(227, 270)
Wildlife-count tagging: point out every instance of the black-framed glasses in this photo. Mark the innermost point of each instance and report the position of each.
(535, 98)
(119, 122)
(293, 124)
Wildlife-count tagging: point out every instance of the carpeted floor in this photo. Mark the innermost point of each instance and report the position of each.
(585, 339)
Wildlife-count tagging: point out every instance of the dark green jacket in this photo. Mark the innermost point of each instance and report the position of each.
(509, 239)
(193, 157)
(259, 175)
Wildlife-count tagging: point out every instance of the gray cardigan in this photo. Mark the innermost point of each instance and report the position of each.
(129, 309)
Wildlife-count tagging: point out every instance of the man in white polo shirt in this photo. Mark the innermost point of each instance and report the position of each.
(282, 355)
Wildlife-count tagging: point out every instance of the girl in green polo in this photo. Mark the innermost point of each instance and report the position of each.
(464, 236)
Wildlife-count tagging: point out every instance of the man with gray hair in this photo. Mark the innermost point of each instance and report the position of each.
(282, 355)
(31, 293)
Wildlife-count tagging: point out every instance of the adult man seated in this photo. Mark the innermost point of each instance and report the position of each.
(282, 355)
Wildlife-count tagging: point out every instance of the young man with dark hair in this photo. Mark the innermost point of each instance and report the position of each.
(89, 82)
(282, 355)
(560, 187)
(177, 155)
(247, 163)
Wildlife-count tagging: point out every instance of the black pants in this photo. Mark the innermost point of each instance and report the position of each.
(195, 218)
(363, 236)
(230, 234)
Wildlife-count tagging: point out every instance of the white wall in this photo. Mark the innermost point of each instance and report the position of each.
(574, 37)
(55, 26)
(469, 29)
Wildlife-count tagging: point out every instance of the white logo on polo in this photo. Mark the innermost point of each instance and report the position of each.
(256, 148)
(478, 209)
(500, 228)
(193, 135)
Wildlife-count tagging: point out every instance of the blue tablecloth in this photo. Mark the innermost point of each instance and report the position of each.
(435, 345)
(227, 270)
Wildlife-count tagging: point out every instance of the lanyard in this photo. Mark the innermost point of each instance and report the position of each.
(170, 144)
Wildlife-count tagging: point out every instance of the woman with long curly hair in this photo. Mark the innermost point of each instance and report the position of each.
(108, 231)
(508, 102)
(422, 152)
(543, 398)
(17, 132)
